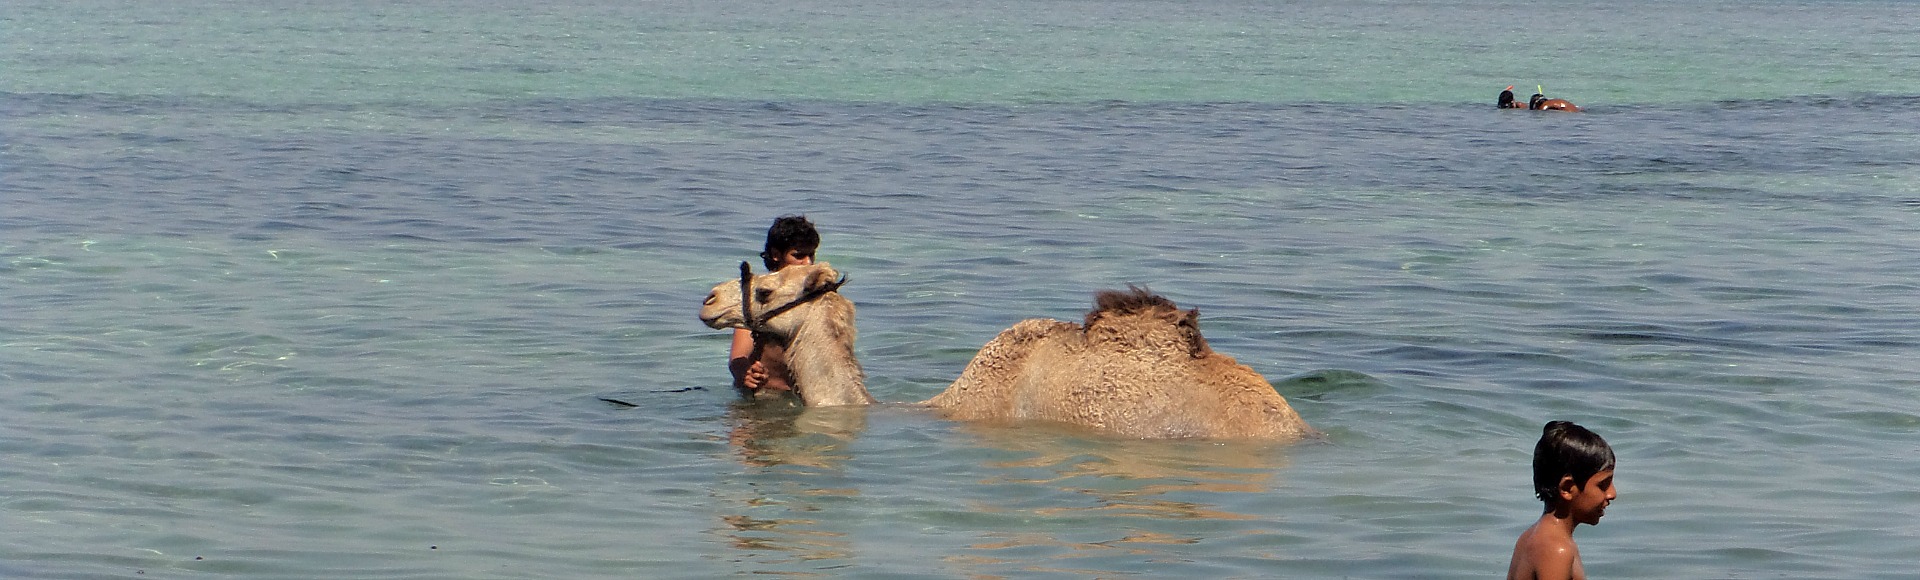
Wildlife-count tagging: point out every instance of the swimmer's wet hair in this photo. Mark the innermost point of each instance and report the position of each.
(1567, 449)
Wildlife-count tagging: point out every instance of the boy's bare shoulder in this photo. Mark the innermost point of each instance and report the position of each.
(1541, 554)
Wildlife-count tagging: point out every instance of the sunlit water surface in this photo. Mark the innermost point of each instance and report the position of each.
(319, 290)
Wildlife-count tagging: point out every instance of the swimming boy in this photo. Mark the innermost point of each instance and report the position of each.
(759, 362)
(1573, 474)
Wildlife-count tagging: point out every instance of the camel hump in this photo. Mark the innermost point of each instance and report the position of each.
(1117, 312)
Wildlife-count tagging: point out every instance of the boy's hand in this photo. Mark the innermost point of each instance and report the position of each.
(755, 376)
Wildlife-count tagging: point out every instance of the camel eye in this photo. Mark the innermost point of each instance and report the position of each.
(762, 294)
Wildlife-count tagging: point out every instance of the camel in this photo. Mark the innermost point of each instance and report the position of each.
(800, 305)
(1137, 368)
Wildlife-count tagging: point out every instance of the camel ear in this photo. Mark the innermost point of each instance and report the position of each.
(1190, 324)
(819, 278)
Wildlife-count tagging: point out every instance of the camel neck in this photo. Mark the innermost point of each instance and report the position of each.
(822, 362)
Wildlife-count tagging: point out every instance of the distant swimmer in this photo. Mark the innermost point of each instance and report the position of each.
(1559, 105)
(1540, 102)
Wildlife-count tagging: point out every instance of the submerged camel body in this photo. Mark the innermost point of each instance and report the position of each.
(818, 329)
(1137, 368)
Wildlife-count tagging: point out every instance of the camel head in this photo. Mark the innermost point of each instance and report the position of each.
(770, 292)
(1141, 321)
(800, 305)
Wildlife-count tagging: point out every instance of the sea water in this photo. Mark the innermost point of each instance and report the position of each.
(335, 289)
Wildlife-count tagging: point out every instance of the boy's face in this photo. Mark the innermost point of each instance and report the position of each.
(1588, 502)
(791, 257)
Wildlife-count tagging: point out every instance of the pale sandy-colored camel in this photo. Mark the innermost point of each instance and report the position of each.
(817, 329)
(1138, 368)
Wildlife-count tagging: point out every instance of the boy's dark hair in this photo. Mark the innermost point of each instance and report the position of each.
(1567, 449)
(789, 232)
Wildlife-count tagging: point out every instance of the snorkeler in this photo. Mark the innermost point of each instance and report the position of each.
(1506, 99)
(1540, 102)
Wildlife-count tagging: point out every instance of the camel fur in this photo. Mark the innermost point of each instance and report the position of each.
(819, 333)
(1138, 367)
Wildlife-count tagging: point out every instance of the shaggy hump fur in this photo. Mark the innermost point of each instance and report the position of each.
(1135, 299)
(1114, 304)
(1138, 367)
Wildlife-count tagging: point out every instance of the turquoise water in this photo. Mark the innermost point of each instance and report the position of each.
(333, 290)
(444, 53)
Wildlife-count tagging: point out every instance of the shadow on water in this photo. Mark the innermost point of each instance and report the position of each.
(1089, 505)
(1127, 476)
(782, 432)
(777, 513)
(1017, 498)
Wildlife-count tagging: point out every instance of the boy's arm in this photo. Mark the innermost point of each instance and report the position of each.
(739, 357)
